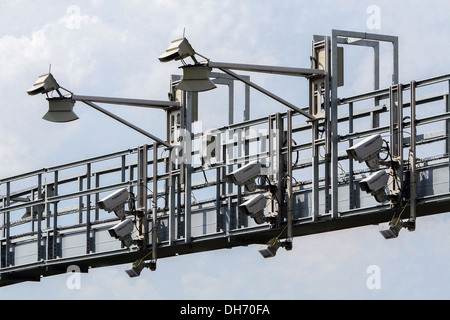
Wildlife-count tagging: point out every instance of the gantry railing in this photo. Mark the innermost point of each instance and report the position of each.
(50, 218)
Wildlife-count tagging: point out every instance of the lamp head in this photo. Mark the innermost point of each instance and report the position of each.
(270, 250)
(60, 110)
(136, 269)
(196, 79)
(44, 84)
(178, 49)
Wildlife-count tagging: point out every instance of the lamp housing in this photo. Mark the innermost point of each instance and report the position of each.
(391, 231)
(178, 49)
(270, 250)
(196, 78)
(60, 110)
(136, 269)
(44, 84)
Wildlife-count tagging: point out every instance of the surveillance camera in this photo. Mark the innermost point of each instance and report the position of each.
(375, 184)
(123, 231)
(246, 175)
(254, 208)
(367, 151)
(114, 201)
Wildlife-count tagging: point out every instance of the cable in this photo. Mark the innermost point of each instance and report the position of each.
(140, 261)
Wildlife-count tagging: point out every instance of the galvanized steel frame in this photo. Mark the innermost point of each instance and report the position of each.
(316, 198)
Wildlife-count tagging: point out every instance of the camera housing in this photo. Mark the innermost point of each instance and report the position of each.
(246, 175)
(122, 231)
(367, 151)
(115, 201)
(375, 184)
(254, 208)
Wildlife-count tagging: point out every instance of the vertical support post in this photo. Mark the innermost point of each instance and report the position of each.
(396, 139)
(375, 116)
(7, 224)
(32, 209)
(281, 170)
(123, 169)
(142, 197)
(80, 200)
(191, 100)
(272, 156)
(54, 249)
(39, 220)
(246, 103)
(447, 130)
(142, 178)
(238, 215)
(219, 223)
(179, 209)
(88, 208)
(320, 56)
(395, 75)
(131, 177)
(226, 185)
(172, 193)
(315, 170)
(175, 122)
(412, 159)
(230, 102)
(290, 205)
(97, 197)
(332, 81)
(322, 108)
(155, 203)
(351, 180)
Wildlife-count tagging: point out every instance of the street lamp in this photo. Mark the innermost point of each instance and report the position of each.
(61, 108)
(44, 84)
(178, 50)
(196, 78)
(181, 49)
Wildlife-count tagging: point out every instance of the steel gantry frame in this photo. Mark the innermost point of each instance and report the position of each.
(185, 202)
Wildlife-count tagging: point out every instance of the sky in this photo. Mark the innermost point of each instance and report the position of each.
(110, 48)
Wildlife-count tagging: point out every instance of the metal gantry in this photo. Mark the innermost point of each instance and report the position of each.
(183, 200)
